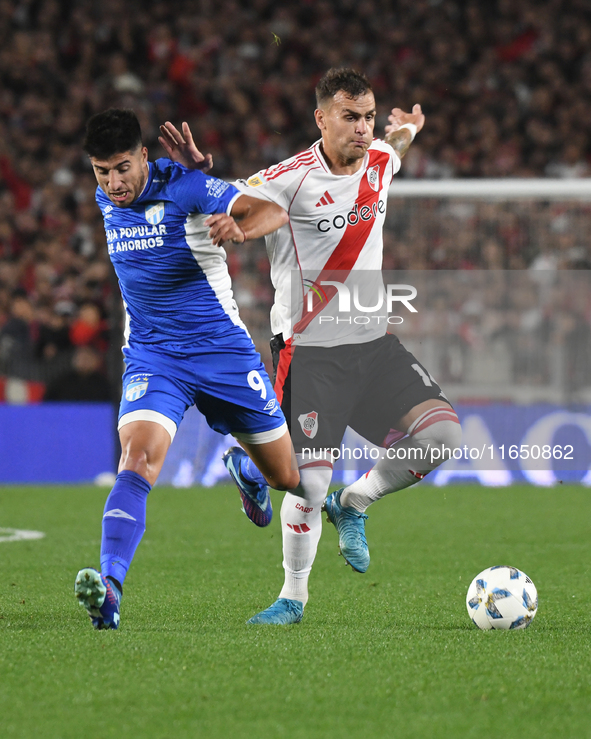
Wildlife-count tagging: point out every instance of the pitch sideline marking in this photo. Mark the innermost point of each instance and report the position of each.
(19, 535)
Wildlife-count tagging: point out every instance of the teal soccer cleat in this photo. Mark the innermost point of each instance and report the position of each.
(351, 527)
(282, 612)
(100, 596)
(256, 500)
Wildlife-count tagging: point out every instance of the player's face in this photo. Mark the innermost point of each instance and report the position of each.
(122, 177)
(347, 125)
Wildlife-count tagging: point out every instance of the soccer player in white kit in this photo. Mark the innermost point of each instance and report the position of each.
(360, 376)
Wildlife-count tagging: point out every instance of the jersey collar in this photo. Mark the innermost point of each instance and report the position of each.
(149, 178)
(322, 159)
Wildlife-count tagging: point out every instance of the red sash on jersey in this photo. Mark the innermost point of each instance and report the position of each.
(349, 247)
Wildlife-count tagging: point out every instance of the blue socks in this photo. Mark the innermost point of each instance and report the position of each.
(250, 472)
(124, 523)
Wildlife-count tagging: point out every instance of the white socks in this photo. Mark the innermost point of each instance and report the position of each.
(301, 526)
(431, 439)
(301, 515)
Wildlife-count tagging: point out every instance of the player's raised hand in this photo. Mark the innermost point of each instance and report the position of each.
(181, 148)
(224, 228)
(398, 118)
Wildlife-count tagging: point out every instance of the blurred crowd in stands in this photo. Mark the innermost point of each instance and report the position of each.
(505, 85)
(523, 335)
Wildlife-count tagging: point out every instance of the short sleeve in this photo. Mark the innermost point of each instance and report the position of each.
(276, 184)
(196, 192)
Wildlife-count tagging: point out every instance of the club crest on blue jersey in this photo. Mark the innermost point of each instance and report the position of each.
(136, 388)
(155, 213)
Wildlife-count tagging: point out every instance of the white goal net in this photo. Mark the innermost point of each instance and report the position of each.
(505, 265)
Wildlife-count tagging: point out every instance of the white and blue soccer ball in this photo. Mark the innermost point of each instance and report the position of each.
(502, 598)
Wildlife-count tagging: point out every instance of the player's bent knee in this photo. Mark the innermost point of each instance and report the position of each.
(439, 439)
(285, 480)
(142, 463)
(144, 445)
(447, 434)
(293, 480)
(273, 454)
(135, 460)
(441, 446)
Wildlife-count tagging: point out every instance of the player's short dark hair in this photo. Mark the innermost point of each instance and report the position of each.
(350, 81)
(112, 132)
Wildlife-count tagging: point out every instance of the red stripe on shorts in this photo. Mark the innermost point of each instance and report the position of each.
(285, 356)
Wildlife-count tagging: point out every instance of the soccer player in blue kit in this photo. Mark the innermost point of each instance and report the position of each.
(184, 341)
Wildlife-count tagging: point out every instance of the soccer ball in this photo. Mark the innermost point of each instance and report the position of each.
(502, 598)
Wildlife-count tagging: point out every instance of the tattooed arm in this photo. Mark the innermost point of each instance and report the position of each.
(400, 138)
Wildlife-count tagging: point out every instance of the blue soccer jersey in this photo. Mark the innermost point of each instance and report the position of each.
(174, 282)
(185, 342)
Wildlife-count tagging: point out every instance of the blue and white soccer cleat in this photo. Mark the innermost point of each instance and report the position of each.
(351, 527)
(100, 596)
(282, 612)
(256, 500)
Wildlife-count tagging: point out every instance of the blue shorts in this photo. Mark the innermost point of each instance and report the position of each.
(228, 384)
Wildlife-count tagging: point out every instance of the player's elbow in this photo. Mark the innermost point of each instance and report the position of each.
(277, 216)
(283, 217)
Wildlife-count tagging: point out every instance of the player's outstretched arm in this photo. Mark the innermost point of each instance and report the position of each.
(256, 218)
(181, 148)
(400, 138)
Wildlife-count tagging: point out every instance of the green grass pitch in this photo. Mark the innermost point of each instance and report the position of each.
(391, 653)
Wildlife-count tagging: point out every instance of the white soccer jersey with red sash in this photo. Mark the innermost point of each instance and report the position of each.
(335, 226)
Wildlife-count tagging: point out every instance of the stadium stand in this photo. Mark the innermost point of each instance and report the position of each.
(509, 98)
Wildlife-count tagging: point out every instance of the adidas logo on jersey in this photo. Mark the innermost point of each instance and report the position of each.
(299, 528)
(325, 200)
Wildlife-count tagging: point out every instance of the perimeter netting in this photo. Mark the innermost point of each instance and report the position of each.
(504, 269)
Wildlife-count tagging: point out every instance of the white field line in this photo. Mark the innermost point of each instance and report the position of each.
(19, 535)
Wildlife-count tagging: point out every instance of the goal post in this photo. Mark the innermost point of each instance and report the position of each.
(504, 188)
